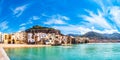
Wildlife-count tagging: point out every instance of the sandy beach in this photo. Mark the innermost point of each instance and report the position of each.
(21, 45)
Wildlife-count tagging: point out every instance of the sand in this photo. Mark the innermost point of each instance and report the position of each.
(21, 45)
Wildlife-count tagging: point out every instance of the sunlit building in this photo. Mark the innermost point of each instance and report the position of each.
(21, 37)
(1, 37)
(35, 37)
(7, 38)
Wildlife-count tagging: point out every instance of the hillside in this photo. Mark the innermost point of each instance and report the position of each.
(38, 28)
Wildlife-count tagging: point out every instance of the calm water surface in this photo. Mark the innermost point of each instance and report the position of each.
(105, 51)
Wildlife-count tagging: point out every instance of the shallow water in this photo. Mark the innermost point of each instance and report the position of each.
(105, 51)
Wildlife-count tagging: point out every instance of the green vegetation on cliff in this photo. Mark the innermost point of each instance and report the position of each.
(40, 27)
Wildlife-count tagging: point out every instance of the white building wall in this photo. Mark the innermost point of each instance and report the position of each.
(20, 36)
(1, 40)
(30, 39)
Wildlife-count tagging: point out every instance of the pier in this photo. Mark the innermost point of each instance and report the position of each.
(3, 55)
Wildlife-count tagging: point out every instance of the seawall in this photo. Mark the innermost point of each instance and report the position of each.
(3, 55)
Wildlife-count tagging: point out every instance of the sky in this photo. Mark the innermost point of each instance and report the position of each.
(68, 16)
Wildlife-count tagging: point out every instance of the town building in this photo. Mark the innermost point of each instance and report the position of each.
(35, 37)
(7, 38)
(1, 38)
(14, 38)
(20, 37)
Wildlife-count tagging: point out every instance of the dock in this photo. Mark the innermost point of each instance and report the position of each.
(3, 55)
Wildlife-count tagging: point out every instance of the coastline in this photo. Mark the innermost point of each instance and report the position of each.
(21, 45)
(31, 46)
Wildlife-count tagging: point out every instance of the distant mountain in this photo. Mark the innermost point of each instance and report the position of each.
(74, 35)
(95, 35)
(112, 36)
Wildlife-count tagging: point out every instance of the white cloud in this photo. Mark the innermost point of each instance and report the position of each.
(3, 25)
(22, 29)
(35, 17)
(95, 19)
(56, 19)
(104, 4)
(43, 14)
(19, 10)
(108, 31)
(106, 14)
(70, 29)
(73, 29)
(110, 10)
(28, 22)
(23, 24)
(64, 17)
(78, 29)
(115, 14)
(98, 19)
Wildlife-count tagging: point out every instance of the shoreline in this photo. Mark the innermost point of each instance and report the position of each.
(21, 45)
(103, 43)
(31, 45)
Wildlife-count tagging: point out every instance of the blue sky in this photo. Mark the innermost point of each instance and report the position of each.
(69, 16)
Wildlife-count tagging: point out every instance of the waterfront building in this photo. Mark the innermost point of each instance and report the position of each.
(15, 38)
(36, 37)
(54, 39)
(64, 39)
(43, 38)
(29, 38)
(82, 39)
(1, 38)
(49, 38)
(40, 35)
(7, 38)
(21, 37)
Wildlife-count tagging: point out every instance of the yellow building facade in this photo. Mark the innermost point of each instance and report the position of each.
(9, 39)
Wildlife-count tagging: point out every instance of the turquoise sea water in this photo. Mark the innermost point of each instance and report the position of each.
(105, 51)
